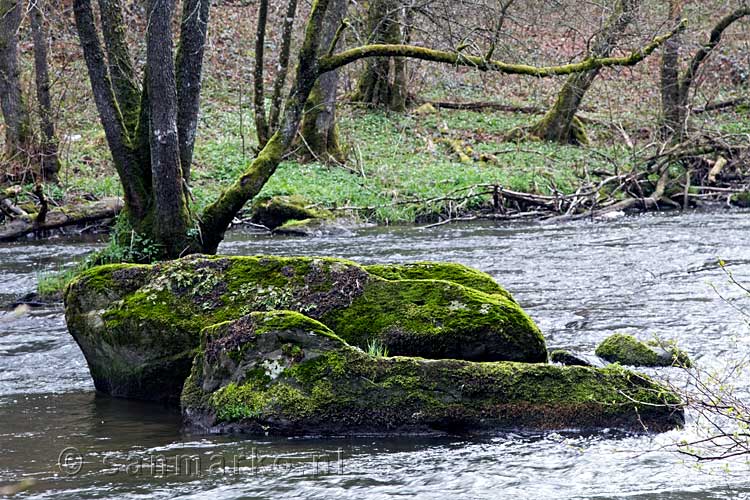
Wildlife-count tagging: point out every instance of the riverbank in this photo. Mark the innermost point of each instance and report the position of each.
(422, 166)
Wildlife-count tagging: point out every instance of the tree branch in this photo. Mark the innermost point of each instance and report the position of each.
(329, 63)
(713, 41)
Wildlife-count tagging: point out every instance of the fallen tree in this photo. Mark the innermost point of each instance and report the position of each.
(21, 223)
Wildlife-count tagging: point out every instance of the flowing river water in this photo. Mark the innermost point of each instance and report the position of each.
(647, 275)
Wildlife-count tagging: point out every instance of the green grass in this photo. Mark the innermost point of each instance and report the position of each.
(51, 283)
(395, 161)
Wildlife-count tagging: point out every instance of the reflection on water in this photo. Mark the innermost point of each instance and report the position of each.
(650, 275)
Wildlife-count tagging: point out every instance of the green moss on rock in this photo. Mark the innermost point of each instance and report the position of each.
(134, 322)
(438, 319)
(331, 388)
(627, 350)
(275, 211)
(445, 271)
(311, 227)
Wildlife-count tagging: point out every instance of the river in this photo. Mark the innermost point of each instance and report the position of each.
(647, 275)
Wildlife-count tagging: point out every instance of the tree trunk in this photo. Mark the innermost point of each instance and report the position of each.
(383, 82)
(560, 124)
(217, 217)
(673, 102)
(171, 216)
(50, 162)
(259, 99)
(675, 89)
(189, 66)
(318, 130)
(15, 112)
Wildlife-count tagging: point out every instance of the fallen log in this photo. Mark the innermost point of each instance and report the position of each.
(61, 217)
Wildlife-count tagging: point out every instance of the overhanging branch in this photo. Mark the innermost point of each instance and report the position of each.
(330, 63)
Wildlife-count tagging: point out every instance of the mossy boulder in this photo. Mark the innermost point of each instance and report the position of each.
(139, 326)
(281, 373)
(275, 211)
(628, 350)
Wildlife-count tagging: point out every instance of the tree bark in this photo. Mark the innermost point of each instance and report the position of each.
(673, 106)
(383, 81)
(560, 124)
(135, 181)
(120, 68)
(50, 162)
(193, 29)
(171, 218)
(283, 66)
(319, 132)
(15, 112)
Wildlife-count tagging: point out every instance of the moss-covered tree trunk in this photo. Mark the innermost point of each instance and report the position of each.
(319, 132)
(560, 123)
(217, 217)
(12, 103)
(170, 210)
(383, 81)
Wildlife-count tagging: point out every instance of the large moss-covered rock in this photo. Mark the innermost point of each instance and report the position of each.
(628, 350)
(138, 326)
(281, 373)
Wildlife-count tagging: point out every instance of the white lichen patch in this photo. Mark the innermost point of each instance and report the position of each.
(94, 319)
(457, 306)
(273, 368)
(485, 309)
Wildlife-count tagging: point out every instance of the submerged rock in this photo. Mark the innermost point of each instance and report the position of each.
(312, 227)
(627, 350)
(139, 326)
(281, 373)
(567, 358)
(275, 211)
